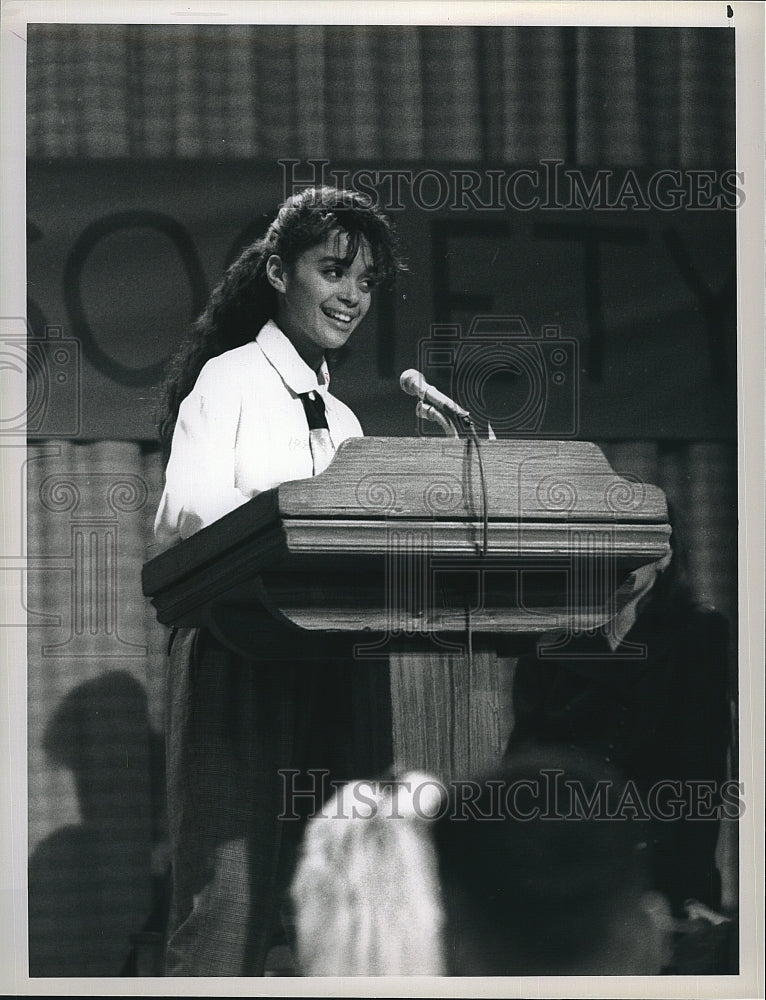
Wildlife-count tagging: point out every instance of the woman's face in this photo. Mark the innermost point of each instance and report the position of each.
(322, 298)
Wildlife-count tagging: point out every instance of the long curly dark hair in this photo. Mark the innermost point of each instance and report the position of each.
(244, 299)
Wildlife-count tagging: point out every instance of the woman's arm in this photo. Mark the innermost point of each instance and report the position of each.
(199, 479)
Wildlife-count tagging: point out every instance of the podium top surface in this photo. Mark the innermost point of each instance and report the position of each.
(536, 491)
(440, 478)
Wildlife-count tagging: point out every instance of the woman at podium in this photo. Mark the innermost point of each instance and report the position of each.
(247, 406)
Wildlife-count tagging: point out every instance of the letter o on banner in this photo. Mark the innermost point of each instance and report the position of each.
(73, 295)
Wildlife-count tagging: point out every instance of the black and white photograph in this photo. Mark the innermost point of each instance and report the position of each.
(381, 442)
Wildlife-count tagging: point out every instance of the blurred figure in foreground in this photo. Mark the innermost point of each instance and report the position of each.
(511, 874)
(652, 695)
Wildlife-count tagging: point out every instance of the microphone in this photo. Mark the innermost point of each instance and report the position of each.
(427, 412)
(414, 384)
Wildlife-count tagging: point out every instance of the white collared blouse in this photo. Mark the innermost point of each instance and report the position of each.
(242, 430)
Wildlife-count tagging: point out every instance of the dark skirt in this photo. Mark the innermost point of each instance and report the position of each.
(242, 737)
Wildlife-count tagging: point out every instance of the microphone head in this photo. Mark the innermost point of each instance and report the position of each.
(413, 383)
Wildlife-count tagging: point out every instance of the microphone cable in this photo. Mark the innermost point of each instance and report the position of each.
(473, 437)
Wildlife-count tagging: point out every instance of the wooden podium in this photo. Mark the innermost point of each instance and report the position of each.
(444, 560)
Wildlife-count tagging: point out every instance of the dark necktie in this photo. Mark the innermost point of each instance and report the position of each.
(320, 442)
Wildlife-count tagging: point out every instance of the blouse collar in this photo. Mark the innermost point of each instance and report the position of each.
(282, 355)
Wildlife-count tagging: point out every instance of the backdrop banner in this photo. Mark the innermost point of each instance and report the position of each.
(549, 300)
